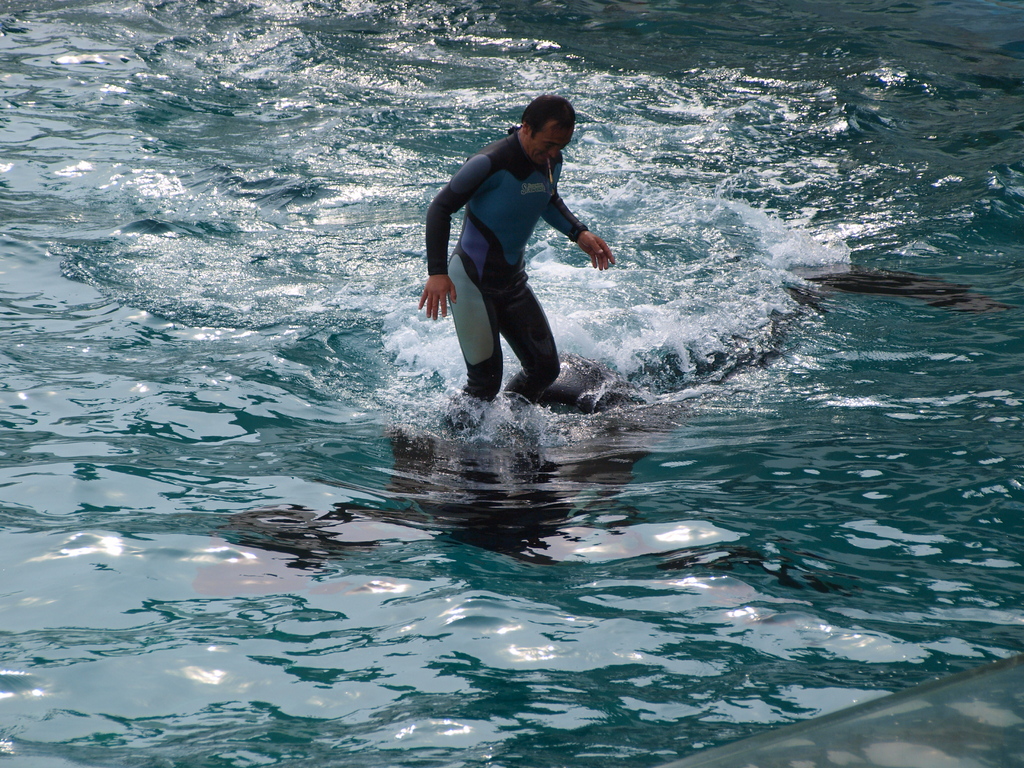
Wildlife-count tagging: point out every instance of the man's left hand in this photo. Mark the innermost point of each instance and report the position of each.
(600, 254)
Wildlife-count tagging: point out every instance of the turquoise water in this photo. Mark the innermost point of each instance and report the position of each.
(236, 530)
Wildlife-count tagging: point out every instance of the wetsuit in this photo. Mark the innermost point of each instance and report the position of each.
(505, 195)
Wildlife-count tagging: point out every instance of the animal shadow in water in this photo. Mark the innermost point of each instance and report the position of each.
(730, 558)
(510, 500)
(312, 538)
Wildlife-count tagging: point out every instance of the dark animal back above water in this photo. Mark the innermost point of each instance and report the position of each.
(589, 386)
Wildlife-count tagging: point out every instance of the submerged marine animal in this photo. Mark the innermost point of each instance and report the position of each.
(512, 495)
(878, 282)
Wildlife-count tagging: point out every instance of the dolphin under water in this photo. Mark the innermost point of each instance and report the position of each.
(496, 485)
(875, 282)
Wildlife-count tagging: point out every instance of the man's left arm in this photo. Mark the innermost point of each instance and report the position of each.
(558, 215)
(600, 254)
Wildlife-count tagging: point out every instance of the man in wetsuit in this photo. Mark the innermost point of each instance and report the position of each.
(506, 188)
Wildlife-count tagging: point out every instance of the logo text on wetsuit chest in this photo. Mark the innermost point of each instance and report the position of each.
(529, 189)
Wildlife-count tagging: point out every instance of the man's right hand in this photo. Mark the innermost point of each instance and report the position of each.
(435, 296)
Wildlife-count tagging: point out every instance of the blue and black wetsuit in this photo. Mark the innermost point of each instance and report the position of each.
(505, 196)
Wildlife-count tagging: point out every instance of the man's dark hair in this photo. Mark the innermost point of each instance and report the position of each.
(544, 109)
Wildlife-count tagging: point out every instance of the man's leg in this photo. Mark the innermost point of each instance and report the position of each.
(477, 330)
(522, 322)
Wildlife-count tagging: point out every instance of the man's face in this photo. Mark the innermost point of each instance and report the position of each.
(545, 144)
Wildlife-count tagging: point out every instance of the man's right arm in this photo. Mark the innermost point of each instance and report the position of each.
(455, 194)
(436, 295)
(439, 289)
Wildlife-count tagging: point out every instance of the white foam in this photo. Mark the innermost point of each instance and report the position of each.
(720, 275)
